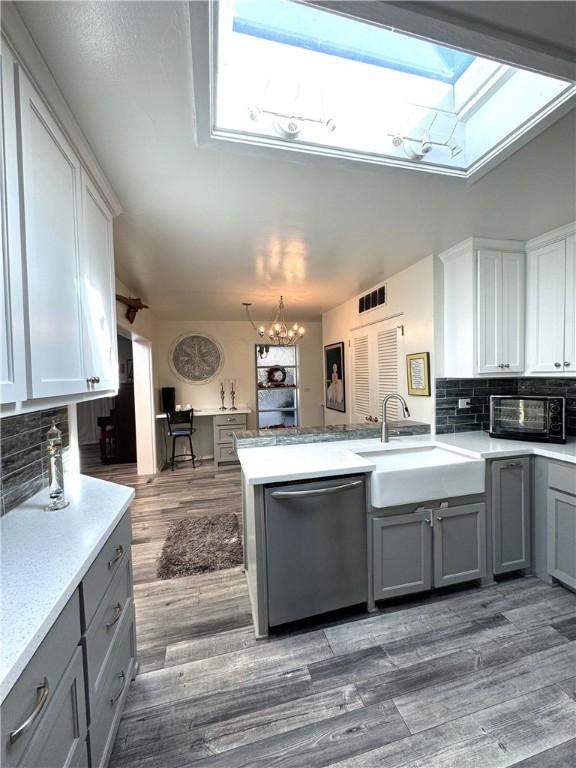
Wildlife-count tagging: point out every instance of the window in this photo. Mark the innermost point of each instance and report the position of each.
(293, 76)
(276, 386)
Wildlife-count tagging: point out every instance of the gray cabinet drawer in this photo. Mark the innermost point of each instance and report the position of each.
(225, 435)
(48, 663)
(562, 477)
(59, 739)
(115, 683)
(225, 453)
(111, 557)
(227, 419)
(103, 630)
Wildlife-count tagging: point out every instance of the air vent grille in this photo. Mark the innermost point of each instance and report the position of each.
(373, 299)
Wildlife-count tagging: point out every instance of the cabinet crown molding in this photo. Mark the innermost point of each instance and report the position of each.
(482, 243)
(560, 233)
(16, 36)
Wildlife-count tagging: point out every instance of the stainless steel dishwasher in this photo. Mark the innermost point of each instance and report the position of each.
(316, 547)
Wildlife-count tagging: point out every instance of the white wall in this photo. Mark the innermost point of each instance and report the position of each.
(237, 339)
(410, 292)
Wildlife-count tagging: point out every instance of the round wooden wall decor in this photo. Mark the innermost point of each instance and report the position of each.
(196, 358)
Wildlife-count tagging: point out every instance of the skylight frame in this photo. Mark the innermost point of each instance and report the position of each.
(521, 134)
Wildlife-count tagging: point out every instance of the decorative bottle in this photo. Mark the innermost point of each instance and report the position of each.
(55, 469)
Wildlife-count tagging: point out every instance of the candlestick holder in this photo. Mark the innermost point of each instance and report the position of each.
(233, 398)
(222, 396)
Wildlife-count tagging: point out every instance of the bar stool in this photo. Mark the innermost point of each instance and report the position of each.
(181, 424)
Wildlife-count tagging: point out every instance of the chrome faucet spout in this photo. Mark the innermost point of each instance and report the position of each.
(384, 436)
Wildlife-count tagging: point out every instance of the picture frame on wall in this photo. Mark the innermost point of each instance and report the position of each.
(418, 374)
(334, 377)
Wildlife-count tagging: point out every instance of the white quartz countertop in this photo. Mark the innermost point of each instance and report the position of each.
(283, 463)
(481, 445)
(45, 556)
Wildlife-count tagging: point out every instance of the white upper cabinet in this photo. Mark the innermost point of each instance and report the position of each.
(12, 351)
(57, 277)
(551, 292)
(98, 290)
(51, 194)
(483, 309)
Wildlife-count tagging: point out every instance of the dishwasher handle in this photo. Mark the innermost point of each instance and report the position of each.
(316, 491)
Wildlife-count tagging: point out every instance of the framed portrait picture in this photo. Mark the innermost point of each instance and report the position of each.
(418, 370)
(334, 378)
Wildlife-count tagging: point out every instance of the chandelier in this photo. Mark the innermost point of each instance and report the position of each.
(279, 332)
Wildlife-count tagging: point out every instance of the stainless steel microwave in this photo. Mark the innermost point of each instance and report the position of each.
(528, 418)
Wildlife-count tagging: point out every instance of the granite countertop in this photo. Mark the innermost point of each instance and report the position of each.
(327, 434)
(285, 463)
(45, 556)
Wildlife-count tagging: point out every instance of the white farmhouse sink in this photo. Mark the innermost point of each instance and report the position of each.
(407, 475)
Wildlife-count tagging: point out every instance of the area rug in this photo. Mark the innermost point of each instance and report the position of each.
(200, 545)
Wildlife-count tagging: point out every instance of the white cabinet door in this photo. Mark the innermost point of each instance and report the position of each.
(51, 192)
(512, 311)
(98, 289)
(570, 308)
(12, 351)
(489, 321)
(500, 312)
(546, 300)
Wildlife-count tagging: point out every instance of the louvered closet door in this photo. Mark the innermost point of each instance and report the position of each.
(387, 366)
(361, 389)
(374, 354)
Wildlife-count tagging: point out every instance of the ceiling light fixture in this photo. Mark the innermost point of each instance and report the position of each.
(279, 332)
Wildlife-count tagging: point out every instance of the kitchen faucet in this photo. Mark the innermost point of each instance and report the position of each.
(384, 433)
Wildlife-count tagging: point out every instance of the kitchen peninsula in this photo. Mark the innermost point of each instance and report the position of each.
(441, 528)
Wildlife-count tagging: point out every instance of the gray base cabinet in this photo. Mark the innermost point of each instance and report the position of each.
(64, 709)
(415, 551)
(562, 537)
(511, 514)
(225, 426)
(402, 546)
(459, 544)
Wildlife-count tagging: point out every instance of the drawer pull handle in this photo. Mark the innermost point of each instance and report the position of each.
(42, 693)
(117, 614)
(514, 464)
(117, 556)
(116, 696)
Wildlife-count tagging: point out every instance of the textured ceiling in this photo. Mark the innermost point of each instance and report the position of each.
(205, 228)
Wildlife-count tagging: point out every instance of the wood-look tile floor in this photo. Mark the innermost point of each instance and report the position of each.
(474, 678)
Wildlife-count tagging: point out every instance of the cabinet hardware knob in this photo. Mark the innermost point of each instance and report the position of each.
(500, 365)
(96, 379)
(566, 364)
(42, 692)
(116, 696)
(117, 556)
(428, 521)
(506, 365)
(439, 518)
(557, 365)
(117, 614)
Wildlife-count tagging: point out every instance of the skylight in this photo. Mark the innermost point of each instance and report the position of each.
(295, 77)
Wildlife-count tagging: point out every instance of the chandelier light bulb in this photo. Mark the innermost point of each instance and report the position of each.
(301, 331)
(261, 330)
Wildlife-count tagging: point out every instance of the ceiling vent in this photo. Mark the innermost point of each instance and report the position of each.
(377, 297)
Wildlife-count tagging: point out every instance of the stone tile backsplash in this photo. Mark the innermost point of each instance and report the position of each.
(450, 418)
(23, 457)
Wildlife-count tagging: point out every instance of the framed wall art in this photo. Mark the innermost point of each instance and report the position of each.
(334, 377)
(418, 373)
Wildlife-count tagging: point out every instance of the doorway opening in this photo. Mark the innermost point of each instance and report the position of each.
(107, 426)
